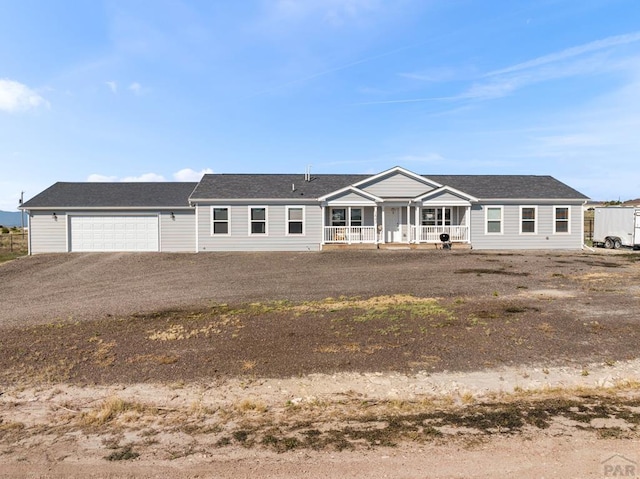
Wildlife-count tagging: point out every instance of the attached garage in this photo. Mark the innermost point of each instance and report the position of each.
(112, 217)
(114, 233)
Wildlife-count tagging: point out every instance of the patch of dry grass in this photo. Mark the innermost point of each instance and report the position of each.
(114, 409)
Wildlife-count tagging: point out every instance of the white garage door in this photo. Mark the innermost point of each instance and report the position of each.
(114, 233)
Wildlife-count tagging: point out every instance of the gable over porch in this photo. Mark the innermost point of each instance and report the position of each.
(405, 209)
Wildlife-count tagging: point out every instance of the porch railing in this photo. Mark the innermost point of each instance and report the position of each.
(431, 234)
(349, 234)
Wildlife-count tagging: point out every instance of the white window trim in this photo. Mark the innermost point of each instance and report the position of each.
(266, 220)
(219, 207)
(287, 221)
(535, 220)
(555, 210)
(486, 219)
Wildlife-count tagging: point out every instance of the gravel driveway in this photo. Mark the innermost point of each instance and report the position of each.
(45, 288)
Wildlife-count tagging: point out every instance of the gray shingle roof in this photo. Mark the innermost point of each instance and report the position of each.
(254, 186)
(274, 186)
(509, 186)
(114, 195)
(219, 186)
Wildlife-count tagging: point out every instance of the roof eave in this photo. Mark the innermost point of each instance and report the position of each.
(97, 208)
(530, 199)
(253, 200)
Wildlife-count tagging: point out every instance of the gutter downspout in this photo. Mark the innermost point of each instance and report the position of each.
(29, 234)
(197, 236)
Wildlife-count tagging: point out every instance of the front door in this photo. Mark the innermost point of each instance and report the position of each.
(393, 232)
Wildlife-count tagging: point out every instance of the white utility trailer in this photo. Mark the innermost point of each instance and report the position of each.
(617, 226)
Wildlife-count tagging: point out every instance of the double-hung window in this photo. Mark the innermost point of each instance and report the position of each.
(356, 217)
(428, 217)
(528, 220)
(494, 219)
(220, 220)
(295, 220)
(338, 217)
(444, 216)
(258, 220)
(561, 219)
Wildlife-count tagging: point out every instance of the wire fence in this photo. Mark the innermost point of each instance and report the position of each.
(14, 242)
(588, 229)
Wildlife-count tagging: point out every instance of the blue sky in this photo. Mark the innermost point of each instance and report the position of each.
(148, 90)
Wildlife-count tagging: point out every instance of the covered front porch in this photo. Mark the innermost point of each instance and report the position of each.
(394, 223)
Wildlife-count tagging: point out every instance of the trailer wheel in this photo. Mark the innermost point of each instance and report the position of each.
(608, 243)
(617, 243)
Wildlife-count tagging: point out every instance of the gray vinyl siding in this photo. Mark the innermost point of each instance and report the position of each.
(511, 238)
(48, 235)
(178, 235)
(397, 186)
(276, 238)
(350, 197)
(445, 196)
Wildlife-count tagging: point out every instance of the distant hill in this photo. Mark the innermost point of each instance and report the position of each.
(11, 218)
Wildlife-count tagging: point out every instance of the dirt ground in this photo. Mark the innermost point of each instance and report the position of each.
(337, 364)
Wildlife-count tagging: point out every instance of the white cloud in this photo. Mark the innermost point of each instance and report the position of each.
(136, 88)
(570, 53)
(146, 177)
(15, 97)
(113, 86)
(187, 174)
(584, 59)
(97, 178)
(434, 75)
(591, 58)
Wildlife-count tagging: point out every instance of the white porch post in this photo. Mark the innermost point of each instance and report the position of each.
(467, 223)
(384, 239)
(409, 222)
(416, 238)
(375, 223)
(348, 222)
(324, 210)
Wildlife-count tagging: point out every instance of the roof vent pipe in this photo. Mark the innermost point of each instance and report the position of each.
(307, 173)
(293, 187)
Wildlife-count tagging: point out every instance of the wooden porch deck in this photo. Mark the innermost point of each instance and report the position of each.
(392, 246)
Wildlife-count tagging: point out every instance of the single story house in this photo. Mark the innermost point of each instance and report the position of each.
(289, 212)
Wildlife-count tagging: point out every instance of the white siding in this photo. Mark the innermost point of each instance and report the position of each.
(177, 234)
(511, 238)
(275, 240)
(396, 185)
(46, 234)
